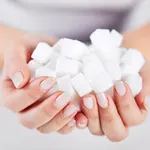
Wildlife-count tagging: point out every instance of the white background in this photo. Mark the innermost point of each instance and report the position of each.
(15, 137)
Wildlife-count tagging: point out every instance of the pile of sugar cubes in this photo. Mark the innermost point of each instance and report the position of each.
(81, 69)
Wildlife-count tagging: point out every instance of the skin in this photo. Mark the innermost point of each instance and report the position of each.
(112, 121)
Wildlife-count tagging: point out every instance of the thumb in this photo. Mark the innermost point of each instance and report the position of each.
(15, 65)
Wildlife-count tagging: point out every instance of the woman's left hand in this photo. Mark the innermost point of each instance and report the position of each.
(113, 117)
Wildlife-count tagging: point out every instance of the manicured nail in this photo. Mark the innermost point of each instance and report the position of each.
(71, 123)
(47, 83)
(88, 102)
(69, 110)
(17, 79)
(62, 100)
(147, 102)
(102, 100)
(82, 125)
(120, 88)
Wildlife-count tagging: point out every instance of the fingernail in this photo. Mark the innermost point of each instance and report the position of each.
(17, 79)
(69, 110)
(47, 83)
(120, 88)
(102, 100)
(88, 102)
(62, 100)
(82, 125)
(147, 102)
(71, 123)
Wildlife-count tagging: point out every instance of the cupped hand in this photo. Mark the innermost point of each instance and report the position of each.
(19, 94)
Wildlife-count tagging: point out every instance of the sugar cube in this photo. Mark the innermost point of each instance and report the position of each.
(64, 84)
(97, 76)
(117, 38)
(73, 49)
(33, 65)
(56, 47)
(114, 70)
(100, 38)
(88, 58)
(67, 66)
(42, 53)
(44, 71)
(81, 85)
(53, 60)
(135, 83)
(132, 62)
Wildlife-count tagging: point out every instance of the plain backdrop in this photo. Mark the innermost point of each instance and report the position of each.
(15, 137)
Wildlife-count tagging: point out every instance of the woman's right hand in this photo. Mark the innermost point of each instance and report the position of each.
(21, 96)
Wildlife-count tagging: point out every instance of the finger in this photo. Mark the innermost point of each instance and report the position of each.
(81, 121)
(143, 99)
(19, 99)
(45, 111)
(61, 119)
(90, 109)
(15, 64)
(111, 122)
(126, 105)
(68, 128)
(17, 56)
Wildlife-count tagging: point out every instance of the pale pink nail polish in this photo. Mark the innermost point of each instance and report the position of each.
(17, 79)
(82, 125)
(120, 88)
(62, 100)
(47, 83)
(102, 100)
(71, 123)
(69, 110)
(88, 102)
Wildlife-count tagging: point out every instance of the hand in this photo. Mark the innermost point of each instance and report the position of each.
(113, 117)
(21, 96)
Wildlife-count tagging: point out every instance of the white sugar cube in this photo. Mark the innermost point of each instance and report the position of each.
(42, 53)
(97, 76)
(135, 83)
(81, 85)
(88, 58)
(100, 38)
(64, 84)
(67, 66)
(73, 49)
(114, 70)
(44, 71)
(33, 65)
(122, 51)
(117, 38)
(53, 60)
(104, 44)
(56, 47)
(132, 62)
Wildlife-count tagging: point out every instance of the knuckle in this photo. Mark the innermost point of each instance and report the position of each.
(124, 107)
(46, 111)
(58, 122)
(108, 117)
(34, 94)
